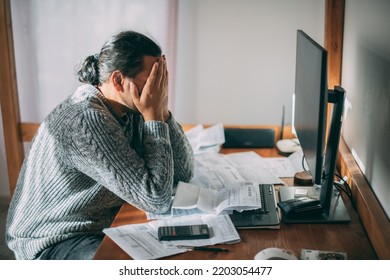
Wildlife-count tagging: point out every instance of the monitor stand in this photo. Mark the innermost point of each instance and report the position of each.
(337, 213)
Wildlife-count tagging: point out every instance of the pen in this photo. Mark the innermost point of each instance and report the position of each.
(209, 249)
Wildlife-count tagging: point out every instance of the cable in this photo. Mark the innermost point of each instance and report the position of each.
(303, 164)
(343, 186)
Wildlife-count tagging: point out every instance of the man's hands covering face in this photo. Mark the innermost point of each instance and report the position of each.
(152, 103)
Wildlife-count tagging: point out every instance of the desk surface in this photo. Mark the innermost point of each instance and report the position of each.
(350, 238)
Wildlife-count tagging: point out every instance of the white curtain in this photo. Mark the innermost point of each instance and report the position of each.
(52, 36)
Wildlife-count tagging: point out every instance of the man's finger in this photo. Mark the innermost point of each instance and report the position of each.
(134, 92)
(151, 79)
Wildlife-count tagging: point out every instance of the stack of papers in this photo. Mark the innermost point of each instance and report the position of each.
(217, 171)
(140, 241)
(214, 170)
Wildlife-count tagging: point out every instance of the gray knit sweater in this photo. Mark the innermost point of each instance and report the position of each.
(84, 162)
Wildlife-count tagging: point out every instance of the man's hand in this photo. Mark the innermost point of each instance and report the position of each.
(153, 101)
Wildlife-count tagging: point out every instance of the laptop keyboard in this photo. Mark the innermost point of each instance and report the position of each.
(265, 192)
(266, 216)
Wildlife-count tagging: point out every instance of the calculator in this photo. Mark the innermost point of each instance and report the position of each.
(183, 232)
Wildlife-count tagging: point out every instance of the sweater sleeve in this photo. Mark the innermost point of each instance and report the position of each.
(98, 147)
(183, 156)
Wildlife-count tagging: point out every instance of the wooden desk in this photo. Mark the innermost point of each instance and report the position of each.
(350, 238)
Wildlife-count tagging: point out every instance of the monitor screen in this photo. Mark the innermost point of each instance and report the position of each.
(311, 91)
(311, 100)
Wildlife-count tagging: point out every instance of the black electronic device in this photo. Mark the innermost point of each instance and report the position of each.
(265, 217)
(301, 206)
(183, 232)
(310, 119)
(249, 138)
(311, 99)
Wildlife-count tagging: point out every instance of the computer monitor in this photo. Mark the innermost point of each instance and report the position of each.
(311, 101)
(310, 120)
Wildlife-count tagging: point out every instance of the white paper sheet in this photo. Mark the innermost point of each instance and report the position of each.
(218, 170)
(140, 241)
(242, 195)
(206, 140)
(286, 166)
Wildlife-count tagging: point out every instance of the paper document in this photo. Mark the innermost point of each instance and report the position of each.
(217, 170)
(214, 171)
(206, 140)
(286, 166)
(140, 241)
(253, 167)
(173, 213)
(238, 196)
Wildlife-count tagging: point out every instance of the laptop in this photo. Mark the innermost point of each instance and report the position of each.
(265, 217)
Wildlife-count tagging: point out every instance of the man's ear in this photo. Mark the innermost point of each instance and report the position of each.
(117, 80)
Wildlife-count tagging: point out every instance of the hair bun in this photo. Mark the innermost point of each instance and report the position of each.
(88, 71)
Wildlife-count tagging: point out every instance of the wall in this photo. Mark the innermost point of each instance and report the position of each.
(235, 59)
(52, 37)
(366, 78)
